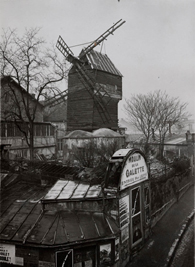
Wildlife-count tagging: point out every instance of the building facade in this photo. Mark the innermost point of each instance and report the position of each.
(16, 103)
(93, 94)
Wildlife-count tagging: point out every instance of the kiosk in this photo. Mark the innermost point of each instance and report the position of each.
(127, 174)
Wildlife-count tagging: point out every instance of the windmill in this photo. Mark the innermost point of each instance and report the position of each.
(89, 105)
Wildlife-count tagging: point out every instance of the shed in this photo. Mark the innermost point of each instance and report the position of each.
(80, 139)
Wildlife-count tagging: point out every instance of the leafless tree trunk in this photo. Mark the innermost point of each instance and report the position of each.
(26, 62)
(155, 113)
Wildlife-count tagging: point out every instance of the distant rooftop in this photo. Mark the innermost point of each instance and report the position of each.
(102, 132)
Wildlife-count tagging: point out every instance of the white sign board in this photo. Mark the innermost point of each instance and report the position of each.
(7, 255)
(134, 171)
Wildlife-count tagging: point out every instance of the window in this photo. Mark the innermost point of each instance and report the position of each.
(44, 130)
(136, 216)
(113, 174)
(51, 130)
(48, 130)
(3, 129)
(38, 131)
(84, 257)
(135, 201)
(10, 129)
(59, 144)
(105, 254)
(64, 258)
(17, 130)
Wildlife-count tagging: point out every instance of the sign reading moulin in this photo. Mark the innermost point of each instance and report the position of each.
(128, 174)
(134, 171)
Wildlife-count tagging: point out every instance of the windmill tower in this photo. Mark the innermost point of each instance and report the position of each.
(94, 87)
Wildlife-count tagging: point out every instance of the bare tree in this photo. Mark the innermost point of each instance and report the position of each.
(93, 155)
(155, 112)
(36, 69)
(170, 111)
(141, 111)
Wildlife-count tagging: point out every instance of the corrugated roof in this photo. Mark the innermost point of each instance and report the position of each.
(23, 219)
(102, 62)
(57, 170)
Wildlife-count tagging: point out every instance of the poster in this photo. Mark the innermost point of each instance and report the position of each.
(105, 254)
(124, 211)
(124, 234)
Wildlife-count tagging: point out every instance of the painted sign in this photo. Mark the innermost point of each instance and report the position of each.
(124, 211)
(7, 255)
(124, 234)
(134, 171)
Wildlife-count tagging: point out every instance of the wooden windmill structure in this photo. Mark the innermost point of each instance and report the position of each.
(94, 87)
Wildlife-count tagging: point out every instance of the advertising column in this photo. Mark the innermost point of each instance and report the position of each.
(134, 173)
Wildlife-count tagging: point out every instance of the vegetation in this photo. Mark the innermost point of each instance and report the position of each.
(33, 67)
(155, 113)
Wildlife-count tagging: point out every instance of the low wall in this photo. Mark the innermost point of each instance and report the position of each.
(168, 195)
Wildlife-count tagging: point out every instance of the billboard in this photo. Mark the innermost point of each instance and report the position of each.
(134, 171)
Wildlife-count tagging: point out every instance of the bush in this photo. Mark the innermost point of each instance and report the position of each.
(181, 164)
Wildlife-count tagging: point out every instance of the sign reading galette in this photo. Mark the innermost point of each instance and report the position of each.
(134, 171)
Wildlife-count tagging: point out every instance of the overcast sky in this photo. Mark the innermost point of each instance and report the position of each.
(154, 49)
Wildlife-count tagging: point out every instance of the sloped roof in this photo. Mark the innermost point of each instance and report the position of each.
(24, 221)
(9, 80)
(177, 140)
(102, 62)
(65, 189)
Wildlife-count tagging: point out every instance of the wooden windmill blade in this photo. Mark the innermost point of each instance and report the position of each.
(56, 99)
(63, 47)
(98, 93)
(102, 37)
(89, 83)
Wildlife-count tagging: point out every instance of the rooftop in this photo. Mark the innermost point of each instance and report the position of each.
(102, 132)
(102, 62)
(24, 220)
(70, 190)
